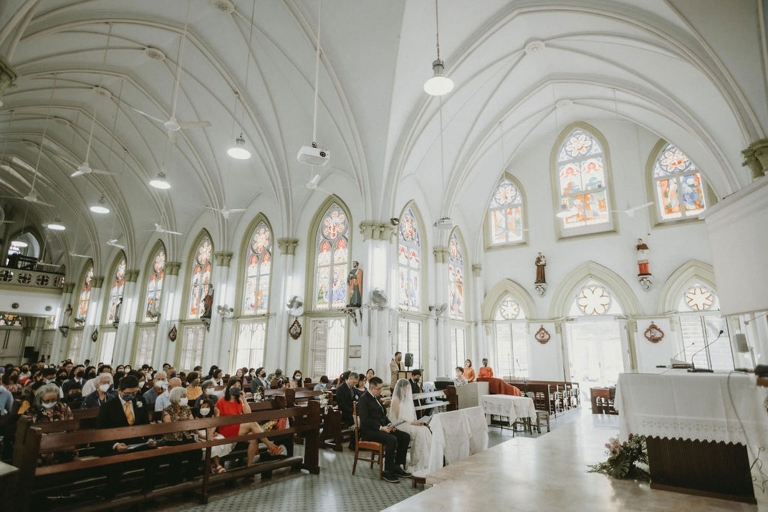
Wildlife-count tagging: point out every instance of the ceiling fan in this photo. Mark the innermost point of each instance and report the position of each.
(75, 255)
(113, 243)
(173, 125)
(160, 229)
(225, 212)
(631, 211)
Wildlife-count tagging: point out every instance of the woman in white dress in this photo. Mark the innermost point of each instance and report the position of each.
(402, 409)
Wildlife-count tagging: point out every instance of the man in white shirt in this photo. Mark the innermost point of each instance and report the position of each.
(164, 400)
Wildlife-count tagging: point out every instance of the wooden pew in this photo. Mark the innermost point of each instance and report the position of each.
(442, 400)
(33, 440)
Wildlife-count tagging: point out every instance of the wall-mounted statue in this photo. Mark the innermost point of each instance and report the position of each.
(355, 286)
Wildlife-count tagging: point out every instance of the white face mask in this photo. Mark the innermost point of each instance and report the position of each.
(163, 384)
(104, 387)
(205, 412)
(210, 391)
(183, 401)
(48, 406)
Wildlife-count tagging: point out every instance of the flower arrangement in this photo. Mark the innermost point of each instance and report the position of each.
(623, 459)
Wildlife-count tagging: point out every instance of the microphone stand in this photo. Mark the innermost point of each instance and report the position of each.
(525, 379)
(693, 368)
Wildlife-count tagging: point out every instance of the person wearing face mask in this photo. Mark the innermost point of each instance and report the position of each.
(297, 382)
(126, 409)
(209, 393)
(218, 377)
(164, 400)
(259, 380)
(205, 410)
(78, 376)
(193, 386)
(104, 392)
(48, 408)
(179, 410)
(159, 385)
(74, 396)
(232, 403)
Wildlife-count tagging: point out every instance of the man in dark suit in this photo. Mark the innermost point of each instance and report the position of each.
(125, 410)
(345, 396)
(375, 426)
(415, 381)
(260, 380)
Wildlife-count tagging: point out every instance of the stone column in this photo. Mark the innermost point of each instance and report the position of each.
(220, 350)
(756, 158)
(440, 352)
(124, 336)
(88, 350)
(164, 348)
(379, 340)
(278, 358)
(481, 348)
(59, 341)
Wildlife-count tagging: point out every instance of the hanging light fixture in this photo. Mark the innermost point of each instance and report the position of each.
(160, 182)
(56, 225)
(101, 207)
(439, 84)
(238, 150)
(20, 243)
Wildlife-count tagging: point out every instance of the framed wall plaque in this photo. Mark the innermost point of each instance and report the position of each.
(355, 351)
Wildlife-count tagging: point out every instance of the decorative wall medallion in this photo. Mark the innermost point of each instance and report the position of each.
(295, 329)
(653, 333)
(95, 335)
(48, 308)
(542, 335)
(173, 333)
(15, 305)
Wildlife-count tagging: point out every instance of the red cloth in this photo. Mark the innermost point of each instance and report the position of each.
(499, 387)
(227, 408)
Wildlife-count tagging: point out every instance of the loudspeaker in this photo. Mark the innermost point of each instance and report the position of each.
(408, 360)
(29, 352)
(741, 343)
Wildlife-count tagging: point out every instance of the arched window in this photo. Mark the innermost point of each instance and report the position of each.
(155, 278)
(409, 262)
(511, 332)
(678, 184)
(456, 277)
(257, 271)
(116, 291)
(331, 265)
(505, 214)
(582, 182)
(200, 278)
(700, 327)
(85, 294)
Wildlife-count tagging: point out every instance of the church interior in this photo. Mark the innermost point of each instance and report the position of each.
(573, 190)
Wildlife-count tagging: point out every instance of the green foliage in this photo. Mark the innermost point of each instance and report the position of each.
(623, 459)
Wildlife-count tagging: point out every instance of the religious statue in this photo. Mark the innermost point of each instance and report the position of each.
(208, 303)
(642, 258)
(541, 265)
(355, 286)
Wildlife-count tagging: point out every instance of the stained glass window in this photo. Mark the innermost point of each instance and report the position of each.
(116, 291)
(257, 271)
(506, 214)
(85, 294)
(200, 280)
(456, 277)
(409, 262)
(582, 180)
(332, 250)
(679, 188)
(155, 285)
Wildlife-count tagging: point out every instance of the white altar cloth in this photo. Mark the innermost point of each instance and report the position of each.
(512, 407)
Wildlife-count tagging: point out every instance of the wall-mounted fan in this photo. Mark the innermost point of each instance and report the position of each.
(438, 310)
(295, 306)
(379, 298)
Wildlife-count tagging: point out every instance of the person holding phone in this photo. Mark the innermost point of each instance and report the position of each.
(375, 426)
(233, 402)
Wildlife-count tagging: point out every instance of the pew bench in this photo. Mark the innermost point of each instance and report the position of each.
(85, 475)
(437, 400)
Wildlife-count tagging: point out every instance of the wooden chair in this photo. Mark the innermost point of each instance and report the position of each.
(369, 446)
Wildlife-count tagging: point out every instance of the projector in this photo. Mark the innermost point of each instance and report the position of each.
(443, 223)
(311, 155)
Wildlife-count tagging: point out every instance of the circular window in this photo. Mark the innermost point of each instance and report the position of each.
(699, 298)
(594, 300)
(509, 309)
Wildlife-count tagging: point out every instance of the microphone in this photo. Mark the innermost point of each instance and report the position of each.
(690, 345)
(693, 365)
(525, 379)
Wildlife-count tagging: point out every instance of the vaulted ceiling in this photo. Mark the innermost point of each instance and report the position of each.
(521, 68)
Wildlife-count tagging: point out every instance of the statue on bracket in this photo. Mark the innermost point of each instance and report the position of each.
(208, 303)
(541, 278)
(355, 286)
(644, 276)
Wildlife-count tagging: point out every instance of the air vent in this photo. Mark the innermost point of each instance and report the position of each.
(101, 91)
(223, 6)
(154, 53)
(534, 47)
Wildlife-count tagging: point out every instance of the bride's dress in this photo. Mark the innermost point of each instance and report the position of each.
(402, 409)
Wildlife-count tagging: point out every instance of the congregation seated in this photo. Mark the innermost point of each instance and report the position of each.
(104, 391)
(499, 387)
(323, 385)
(179, 410)
(259, 380)
(159, 385)
(459, 379)
(164, 400)
(346, 395)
